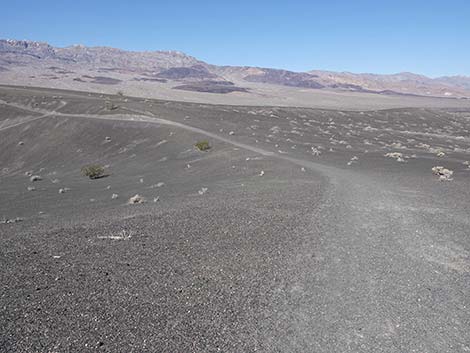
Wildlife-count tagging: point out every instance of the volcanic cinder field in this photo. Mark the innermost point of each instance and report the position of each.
(299, 230)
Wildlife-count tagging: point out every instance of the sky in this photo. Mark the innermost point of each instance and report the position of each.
(382, 36)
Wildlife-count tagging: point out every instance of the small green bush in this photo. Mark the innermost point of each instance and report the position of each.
(203, 145)
(93, 171)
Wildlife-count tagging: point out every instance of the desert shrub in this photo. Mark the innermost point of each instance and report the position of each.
(203, 145)
(93, 171)
(110, 105)
(136, 199)
(35, 178)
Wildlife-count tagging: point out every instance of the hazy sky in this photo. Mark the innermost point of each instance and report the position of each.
(429, 37)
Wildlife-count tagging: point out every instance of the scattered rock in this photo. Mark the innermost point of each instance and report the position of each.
(156, 199)
(114, 196)
(63, 190)
(31, 188)
(21, 143)
(231, 133)
(261, 173)
(202, 191)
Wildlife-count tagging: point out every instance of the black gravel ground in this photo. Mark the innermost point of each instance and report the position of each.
(261, 244)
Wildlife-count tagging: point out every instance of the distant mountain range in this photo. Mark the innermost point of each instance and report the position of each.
(23, 62)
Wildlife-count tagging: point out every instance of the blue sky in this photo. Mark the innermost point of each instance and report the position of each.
(429, 37)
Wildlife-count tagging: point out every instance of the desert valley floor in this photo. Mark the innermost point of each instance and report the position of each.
(300, 230)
